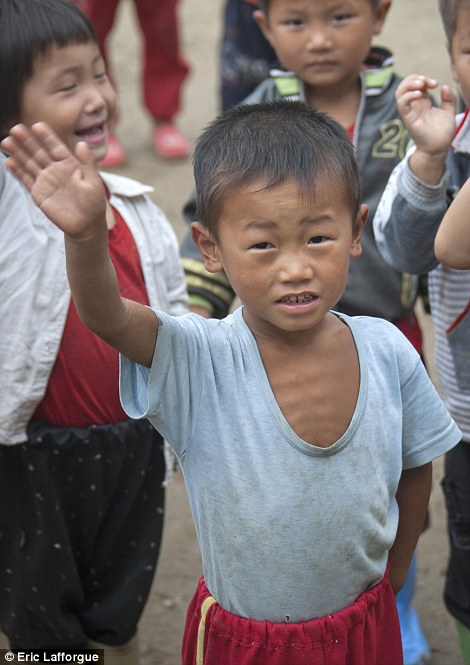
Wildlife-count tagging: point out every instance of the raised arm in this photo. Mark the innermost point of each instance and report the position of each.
(415, 199)
(452, 243)
(68, 189)
(431, 127)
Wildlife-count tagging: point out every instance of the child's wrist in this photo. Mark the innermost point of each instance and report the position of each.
(428, 167)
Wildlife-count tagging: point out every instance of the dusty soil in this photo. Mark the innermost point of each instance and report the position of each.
(414, 32)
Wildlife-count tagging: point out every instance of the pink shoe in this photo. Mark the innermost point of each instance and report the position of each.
(169, 143)
(115, 155)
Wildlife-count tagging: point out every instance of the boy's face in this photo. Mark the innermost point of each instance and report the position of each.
(286, 256)
(69, 90)
(324, 42)
(460, 51)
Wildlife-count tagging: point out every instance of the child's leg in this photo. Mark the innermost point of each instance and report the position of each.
(366, 633)
(118, 576)
(87, 512)
(464, 637)
(415, 646)
(36, 571)
(456, 485)
(101, 14)
(164, 66)
(245, 55)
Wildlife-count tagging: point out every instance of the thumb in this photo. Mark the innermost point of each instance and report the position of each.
(448, 99)
(88, 168)
(83, 154)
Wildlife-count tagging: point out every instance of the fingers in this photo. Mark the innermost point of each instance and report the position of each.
(448, 99)
(413, 88)
(30, 151)
(84, 155)
(37, 153)
(55, 149)
(38, 144)
(26, 157)
(415, 84)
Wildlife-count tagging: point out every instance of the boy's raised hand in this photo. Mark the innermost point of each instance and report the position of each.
(65, 186)
(431, 127)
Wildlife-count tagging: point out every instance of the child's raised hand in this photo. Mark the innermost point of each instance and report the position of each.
(431, 127)
(66, 187)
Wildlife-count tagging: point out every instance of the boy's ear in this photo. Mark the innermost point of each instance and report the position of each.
(380, 14)
(359, 224)
(262, 21)
(207, 247)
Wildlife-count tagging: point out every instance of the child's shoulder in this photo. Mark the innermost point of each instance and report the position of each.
(145, 219)
(374, 327)
(123, 186)
(267, 90)
(380, 79)
(381, 340)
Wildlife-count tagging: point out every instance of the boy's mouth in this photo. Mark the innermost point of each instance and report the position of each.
(301, 298)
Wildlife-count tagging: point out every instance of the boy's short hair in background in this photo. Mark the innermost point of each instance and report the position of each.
(29, 28)
(271, 142)
(265, 4)
(448, 10)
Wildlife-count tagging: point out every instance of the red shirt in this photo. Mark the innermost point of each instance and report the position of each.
(83, 387)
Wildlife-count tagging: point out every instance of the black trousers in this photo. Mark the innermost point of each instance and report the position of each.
(245, 55)
(81, 514)
(456, 485)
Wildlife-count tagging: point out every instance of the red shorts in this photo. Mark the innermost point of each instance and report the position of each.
(365, 633)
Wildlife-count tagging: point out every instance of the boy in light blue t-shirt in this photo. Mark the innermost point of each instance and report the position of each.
(306, 438)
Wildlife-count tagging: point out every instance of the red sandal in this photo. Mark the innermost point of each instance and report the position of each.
(169, 143)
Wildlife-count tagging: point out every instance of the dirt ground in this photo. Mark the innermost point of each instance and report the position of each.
(414, 32)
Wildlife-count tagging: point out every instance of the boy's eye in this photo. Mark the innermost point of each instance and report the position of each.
(262, 245)
(294, 22)
(100, 75)
(68, 88)
(316, 240)
(341, 18)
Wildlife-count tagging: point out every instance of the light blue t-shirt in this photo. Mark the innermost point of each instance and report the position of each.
(287, 530)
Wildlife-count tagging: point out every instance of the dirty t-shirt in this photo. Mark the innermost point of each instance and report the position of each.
(287, 530)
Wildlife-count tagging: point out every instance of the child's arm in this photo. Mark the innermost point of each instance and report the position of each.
(452, 242)
(412, 496)
(68, 189)
(432, 128)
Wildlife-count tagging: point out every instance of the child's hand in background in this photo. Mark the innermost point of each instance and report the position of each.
(431, 127)
(65, 186)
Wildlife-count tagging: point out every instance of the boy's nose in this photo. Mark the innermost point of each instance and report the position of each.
(319, 38)
(296, 269)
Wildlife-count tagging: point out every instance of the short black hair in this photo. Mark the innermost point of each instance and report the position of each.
(448, 10)
(28, 29)
(271, 142)
(264, 5)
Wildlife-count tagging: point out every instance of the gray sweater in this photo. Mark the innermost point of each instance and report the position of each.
(406, 224)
